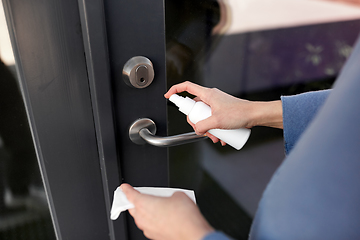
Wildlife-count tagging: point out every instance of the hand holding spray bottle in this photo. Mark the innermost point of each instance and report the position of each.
(198, 111)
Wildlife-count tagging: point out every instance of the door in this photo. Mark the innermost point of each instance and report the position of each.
(67, 54)
(70, 57)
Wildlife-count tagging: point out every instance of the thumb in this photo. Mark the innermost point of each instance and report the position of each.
(130, 193)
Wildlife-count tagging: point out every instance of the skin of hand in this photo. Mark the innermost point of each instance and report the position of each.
(169, 218)
(229, 112)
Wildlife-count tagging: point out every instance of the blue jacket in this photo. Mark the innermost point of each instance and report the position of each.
(315, 193)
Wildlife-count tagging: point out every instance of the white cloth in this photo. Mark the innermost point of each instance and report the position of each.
(121, 203)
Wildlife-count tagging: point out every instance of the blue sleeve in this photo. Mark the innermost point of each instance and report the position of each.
(298, 111)
(216, 236)
(315, 192)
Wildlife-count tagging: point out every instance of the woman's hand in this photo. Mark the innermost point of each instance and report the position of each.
(173, 218)
(229, 112)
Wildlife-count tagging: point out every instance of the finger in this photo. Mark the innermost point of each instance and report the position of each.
(205, 125)
(196, 99)
(132, 212)
(148, 234)
(189, 87)
(222, 143)
(212, 137)
(139, 222)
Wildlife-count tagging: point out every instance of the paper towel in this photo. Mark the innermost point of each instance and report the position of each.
(121, 203)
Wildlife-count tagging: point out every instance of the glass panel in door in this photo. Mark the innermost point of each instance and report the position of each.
(256, 50)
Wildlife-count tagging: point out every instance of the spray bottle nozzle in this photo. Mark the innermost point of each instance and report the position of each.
(185, 104)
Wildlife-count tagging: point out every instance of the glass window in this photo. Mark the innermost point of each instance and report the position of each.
(257, 50)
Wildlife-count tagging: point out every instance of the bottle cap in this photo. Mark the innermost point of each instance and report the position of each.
(185, 104)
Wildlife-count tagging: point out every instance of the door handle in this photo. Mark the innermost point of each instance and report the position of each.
(143, 131)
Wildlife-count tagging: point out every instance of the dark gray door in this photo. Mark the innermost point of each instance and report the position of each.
(137, 28)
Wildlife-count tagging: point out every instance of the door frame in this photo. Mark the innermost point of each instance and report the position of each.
(63, 66)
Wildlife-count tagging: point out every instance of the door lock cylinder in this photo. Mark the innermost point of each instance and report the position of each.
(138, 72)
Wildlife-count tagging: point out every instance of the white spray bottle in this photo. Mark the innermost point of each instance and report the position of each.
(198, 111)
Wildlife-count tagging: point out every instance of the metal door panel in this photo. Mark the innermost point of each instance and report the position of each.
(137, 28)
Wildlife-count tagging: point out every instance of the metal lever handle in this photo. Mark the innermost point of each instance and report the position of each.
(143, 131)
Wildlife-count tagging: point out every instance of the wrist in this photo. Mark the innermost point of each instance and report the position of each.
(197, 230)
(268, 114)
(202, 233)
